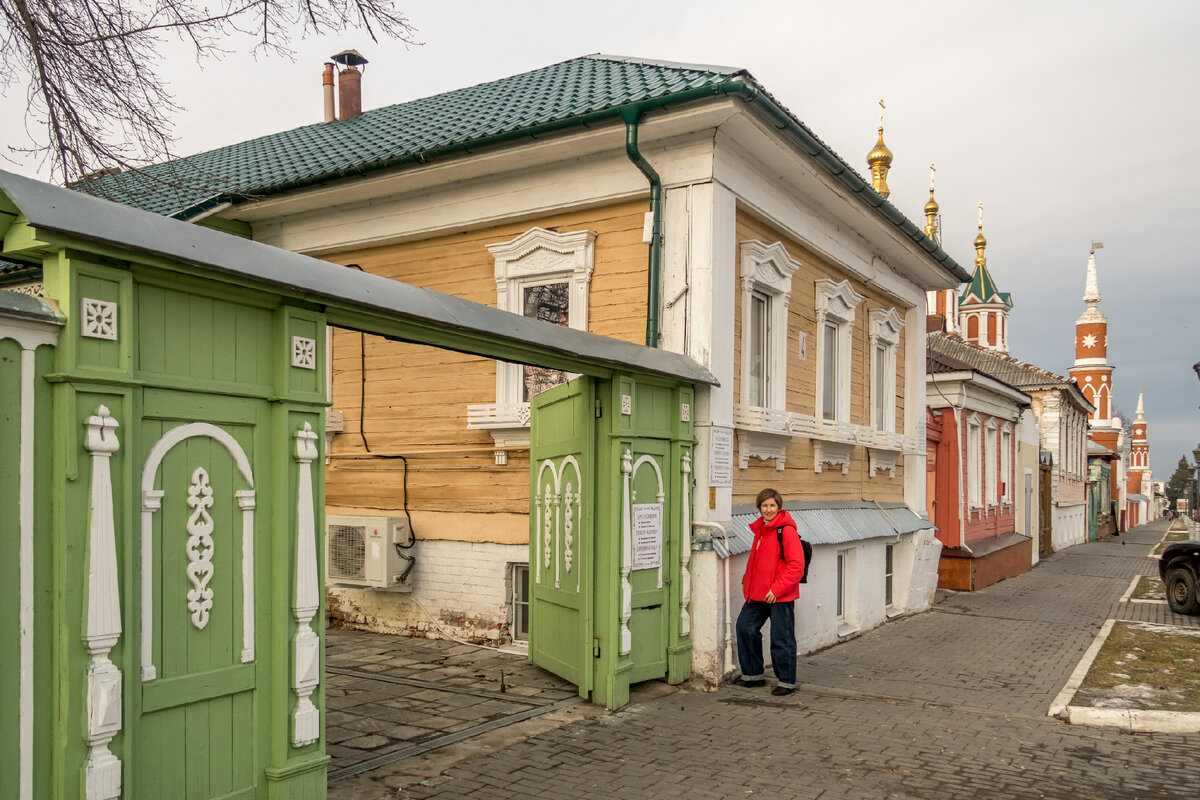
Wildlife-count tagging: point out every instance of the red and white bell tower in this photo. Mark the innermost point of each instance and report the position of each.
(1139, 455)
(1092, 371)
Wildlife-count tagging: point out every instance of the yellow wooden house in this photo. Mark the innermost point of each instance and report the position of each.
(678, 205)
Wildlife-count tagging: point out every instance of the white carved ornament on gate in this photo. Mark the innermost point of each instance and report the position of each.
(199, 545)
(558, 507)
(102, 776)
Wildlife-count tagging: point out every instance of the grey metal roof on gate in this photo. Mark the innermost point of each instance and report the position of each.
(52, 208)
(828, 522)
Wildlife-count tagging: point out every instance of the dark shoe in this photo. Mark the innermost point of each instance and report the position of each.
(780, 691)
(751, 684)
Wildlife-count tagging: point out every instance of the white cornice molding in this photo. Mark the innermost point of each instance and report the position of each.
(769, 265)
(836, 299)
(885, 325)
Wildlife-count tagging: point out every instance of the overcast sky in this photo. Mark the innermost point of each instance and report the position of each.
(1071, 122)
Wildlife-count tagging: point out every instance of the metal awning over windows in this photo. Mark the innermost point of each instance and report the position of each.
(832, 522)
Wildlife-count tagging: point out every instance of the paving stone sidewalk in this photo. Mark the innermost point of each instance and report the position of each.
(947, 704)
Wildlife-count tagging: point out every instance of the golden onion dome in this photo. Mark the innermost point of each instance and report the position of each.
(881, 155)
(932, 206)
(980, 240)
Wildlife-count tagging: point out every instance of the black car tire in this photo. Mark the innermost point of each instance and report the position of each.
(1181, 591)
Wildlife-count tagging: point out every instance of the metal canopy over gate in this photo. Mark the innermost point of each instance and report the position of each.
(168, 576)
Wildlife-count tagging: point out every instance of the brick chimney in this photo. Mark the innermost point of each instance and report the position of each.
(349, 84)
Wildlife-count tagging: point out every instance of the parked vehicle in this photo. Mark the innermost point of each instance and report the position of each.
(1179, 567)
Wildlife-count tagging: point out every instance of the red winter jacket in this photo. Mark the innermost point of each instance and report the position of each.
(766, 571)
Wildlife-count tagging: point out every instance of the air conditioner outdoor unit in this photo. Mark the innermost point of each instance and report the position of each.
(368, 551)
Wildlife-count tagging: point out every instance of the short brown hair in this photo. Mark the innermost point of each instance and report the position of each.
(766, 494)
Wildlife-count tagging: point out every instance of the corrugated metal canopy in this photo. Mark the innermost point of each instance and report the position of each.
(352, 299)
(833, 522)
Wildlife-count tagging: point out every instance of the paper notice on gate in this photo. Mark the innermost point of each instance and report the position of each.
(647, 535)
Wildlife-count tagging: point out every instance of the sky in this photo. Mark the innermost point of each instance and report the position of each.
(1072, 122)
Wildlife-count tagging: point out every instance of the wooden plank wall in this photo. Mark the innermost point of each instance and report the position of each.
(799, 481)
(416, 397)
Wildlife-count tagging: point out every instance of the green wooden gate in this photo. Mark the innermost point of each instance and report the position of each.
(610, 548)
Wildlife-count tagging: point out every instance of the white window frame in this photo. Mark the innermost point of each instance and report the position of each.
(846, 605)
(1006, 462)
(974, 461)
(836, 302)
(884, 327)
(535, 258)
(767, 271)
(517, 573)
(991, 490)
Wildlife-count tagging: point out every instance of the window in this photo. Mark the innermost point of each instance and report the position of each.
(519, 603)
(889, 555)
(841, 585)
(1006, 464)
(885, 339)
(974, 461)
(829, 373)
(836, 301)
(759, 349)
(990, 463)
(766, 285)
(544, 275)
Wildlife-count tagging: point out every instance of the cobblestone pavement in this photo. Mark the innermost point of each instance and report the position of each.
(944, 705)
(388, 696)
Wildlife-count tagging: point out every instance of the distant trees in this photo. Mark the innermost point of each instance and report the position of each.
(1181, 482)
(89, 66)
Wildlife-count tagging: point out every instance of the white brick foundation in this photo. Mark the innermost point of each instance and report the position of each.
(464, 586)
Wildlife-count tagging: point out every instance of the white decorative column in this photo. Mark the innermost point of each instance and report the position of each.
(307, 727)
(685, 555)
(626, 556)
(103, 772)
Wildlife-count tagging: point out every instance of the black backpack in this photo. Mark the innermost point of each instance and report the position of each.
(805, 546)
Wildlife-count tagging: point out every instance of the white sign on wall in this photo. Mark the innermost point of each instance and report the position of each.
(647, 535)
(720, 457)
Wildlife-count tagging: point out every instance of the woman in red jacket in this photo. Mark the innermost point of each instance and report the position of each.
(770, 586)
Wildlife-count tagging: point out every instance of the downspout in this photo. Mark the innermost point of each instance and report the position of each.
(630, 115)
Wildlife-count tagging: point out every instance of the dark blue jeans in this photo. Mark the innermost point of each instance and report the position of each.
(753, 616)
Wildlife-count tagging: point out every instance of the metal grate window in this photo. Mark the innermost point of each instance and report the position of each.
(888, 573)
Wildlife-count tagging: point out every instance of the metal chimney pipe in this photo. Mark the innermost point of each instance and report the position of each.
(327, 90)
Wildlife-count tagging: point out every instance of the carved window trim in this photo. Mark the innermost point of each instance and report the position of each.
(766, 272)
(836, 303)
(884, 326)
(974, 461)
(535, 258)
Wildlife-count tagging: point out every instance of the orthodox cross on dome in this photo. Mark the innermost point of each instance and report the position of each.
(880, 159)
(931, 209)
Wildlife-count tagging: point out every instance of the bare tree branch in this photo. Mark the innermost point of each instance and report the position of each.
(89, 67)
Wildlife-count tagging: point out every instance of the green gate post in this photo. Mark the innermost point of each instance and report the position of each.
(177, 587)
(642, 621)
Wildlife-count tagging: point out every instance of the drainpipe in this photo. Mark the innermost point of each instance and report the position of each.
(631, 115)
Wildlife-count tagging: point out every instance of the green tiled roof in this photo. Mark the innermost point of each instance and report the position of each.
(405, 132)
(983, 289)
(572, 93)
